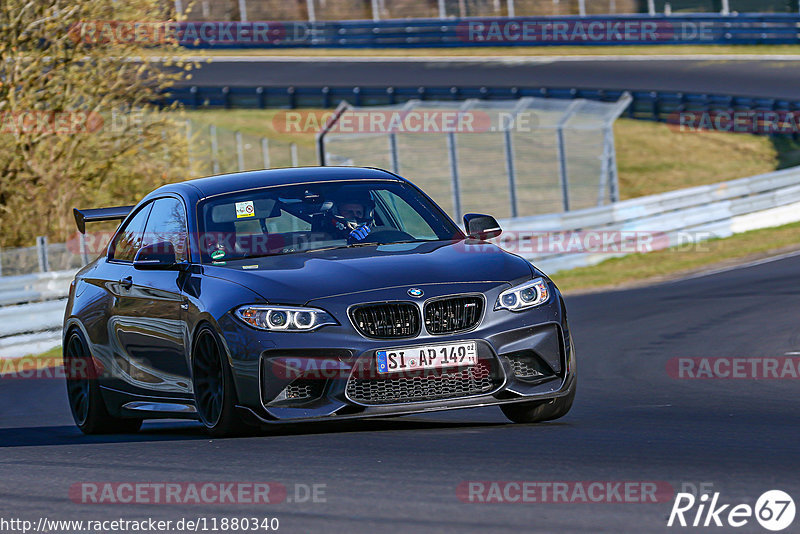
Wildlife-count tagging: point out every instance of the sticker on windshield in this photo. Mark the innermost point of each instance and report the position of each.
(217, 254)
(245, 209)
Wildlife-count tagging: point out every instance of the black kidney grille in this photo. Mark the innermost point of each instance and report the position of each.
(453, 314)
(387, 320)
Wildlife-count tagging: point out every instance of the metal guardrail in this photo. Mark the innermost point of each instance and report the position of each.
(710, 29)
(682, 217)
(34, 287)
(662, 106)
(34, 326)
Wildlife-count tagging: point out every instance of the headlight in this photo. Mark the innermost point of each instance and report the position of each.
(527, 295)
(284, 318)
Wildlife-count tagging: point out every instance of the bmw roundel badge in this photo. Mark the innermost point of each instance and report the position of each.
(416, 292)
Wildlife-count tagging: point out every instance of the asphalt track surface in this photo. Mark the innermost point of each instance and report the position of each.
(769, 78)
(631, 422)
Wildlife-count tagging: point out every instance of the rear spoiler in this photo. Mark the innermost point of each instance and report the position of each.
(100, 214)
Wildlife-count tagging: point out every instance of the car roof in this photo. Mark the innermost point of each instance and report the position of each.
(228, 183)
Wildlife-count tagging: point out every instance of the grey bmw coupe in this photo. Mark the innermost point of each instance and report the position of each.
(307, 294)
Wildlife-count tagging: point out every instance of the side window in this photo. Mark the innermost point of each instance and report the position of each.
(167, 222)
(129, 239)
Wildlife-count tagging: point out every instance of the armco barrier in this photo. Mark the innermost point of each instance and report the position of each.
(34, 287)
(697, 213)
(32, 312)
(518, 31)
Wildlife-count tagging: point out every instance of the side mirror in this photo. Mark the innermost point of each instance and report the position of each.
(158, 256)
(481, 226)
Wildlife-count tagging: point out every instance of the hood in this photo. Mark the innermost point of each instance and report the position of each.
(298, 278)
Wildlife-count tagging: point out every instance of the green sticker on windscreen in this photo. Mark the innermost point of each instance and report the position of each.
(217, 254)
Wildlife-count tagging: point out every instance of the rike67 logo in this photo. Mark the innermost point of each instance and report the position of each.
(774, 510)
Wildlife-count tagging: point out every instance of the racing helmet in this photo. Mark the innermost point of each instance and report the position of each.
(352, 208)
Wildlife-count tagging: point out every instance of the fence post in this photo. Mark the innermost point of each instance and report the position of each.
(582, 8)
(84, 249)
(512, 174)
(239, 151)
(442, 9)
(454, 179)
(605, 182)
(394, 162)
(265, 152)
(509, 152)
(1, 262)
(511, 9)
(726, 7)
(212, 130)
(320, 137)
(613, 178)
(41, 252)
(243, 10)
(295, 159)
(651, 7)
(562, 151)
(178, 7)
(376, 10)
(312, 14)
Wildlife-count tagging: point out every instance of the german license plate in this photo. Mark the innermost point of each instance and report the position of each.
(427, 357)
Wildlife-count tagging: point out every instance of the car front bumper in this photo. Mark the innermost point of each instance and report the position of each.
(327, 374)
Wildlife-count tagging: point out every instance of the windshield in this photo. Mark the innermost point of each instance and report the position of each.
(310, 217)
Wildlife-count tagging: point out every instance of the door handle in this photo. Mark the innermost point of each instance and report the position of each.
(126, 282)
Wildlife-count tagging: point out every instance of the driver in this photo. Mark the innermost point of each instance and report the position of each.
(352, 217)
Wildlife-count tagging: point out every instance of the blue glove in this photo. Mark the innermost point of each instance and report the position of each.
(360, 233)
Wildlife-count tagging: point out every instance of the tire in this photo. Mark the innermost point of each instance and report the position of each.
(83, 392)
(540, 411)
(212, 383)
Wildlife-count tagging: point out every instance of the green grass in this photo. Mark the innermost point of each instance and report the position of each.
(654, 158)
(512, 51)
(672, 263)
(45, 360)
(256, 122)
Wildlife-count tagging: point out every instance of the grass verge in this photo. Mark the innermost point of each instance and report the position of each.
(31, 362)
(653, 267)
